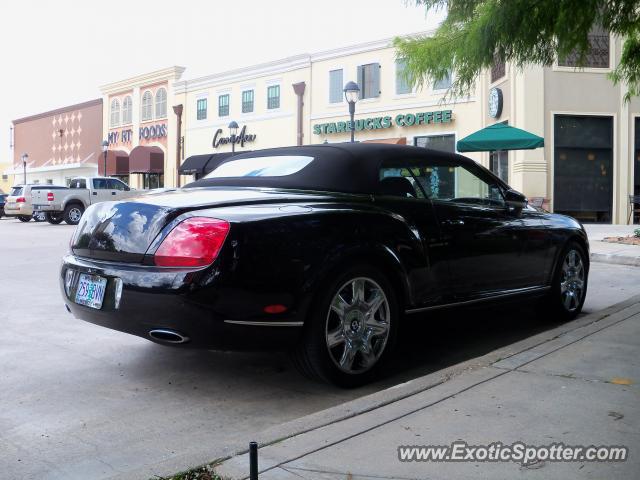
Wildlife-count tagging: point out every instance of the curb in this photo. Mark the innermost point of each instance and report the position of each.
(320, 427)
(615, 259)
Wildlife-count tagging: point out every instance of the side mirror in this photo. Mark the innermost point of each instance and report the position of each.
(515, 200)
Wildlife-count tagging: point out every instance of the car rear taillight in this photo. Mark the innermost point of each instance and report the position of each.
(50, 197)
(21, 200)
(195, 242)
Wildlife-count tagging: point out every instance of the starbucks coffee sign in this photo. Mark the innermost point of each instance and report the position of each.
(401, 120)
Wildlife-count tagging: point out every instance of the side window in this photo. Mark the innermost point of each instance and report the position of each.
(399, 182)
(115, 184)
(460, 185)
(438, 181)
(99, 183)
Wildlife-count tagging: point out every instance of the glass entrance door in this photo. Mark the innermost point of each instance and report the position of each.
(583, 167)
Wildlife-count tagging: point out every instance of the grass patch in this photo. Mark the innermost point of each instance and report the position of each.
(199, 473)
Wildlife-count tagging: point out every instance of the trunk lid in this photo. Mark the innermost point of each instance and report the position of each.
(123, 231)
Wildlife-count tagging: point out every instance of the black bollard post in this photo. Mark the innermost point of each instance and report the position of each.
(253, 461)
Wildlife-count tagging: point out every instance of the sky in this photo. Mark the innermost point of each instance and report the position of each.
(57, 53)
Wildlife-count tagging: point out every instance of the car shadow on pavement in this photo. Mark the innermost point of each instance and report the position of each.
(427, 343)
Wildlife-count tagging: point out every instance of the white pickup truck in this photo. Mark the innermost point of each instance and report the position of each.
(69, 204)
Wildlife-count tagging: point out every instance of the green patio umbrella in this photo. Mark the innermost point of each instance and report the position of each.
(499, 137)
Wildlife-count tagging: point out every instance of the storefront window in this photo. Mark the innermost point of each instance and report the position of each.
(636, 168)
(335, 86)
(444, 83)
(598, 54)
(223, 105)
(273, 97)
(499, 165)
(127, 107)
(161, 103)
(443, 143)
(201, 109)
(152, 180)
(247, 101)
(115, 113)
(583, 167)
(369, 80)
(402, 85)
(146, 112)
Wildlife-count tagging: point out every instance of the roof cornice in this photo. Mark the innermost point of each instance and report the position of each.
(58, 111)
(246, 73)
(363, 47)
(166, 74)
(284, 65)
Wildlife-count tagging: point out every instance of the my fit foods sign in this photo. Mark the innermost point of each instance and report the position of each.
(379, 123)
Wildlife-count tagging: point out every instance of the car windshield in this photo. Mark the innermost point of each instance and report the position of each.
(16, 191)
(269, 166)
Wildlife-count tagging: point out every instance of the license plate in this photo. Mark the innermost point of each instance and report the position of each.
(38, 207)
(10, 204)
(91, 290)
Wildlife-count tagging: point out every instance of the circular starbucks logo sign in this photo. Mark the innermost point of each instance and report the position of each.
(495, 102)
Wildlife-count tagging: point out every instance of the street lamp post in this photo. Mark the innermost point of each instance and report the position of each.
(351, 95)
(233, 132)
(105, 147)
(24, 159)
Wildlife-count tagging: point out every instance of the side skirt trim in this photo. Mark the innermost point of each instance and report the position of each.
(254, 323)
(513, 293)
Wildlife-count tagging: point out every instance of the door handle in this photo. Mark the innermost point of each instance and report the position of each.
(113, 193)
(95, 193)
(453, 223)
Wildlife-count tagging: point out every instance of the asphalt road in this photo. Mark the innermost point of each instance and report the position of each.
(79, 401)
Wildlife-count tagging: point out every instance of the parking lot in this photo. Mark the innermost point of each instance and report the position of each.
(81, 401)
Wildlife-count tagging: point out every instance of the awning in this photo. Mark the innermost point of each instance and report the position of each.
(393, 141)
(194, 164)
(144, 159)
(499, 137)
(117, 163)
(203, 164)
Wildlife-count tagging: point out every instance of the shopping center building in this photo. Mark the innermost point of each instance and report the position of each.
(138, 119)
(55, 146)
(588, 167)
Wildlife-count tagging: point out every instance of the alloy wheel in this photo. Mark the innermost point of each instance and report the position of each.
(358, 325)
(572, 281)
(75, 214)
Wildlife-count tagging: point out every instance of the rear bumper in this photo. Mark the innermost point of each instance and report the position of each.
(212, 317)
(47, 208)
(23, 210)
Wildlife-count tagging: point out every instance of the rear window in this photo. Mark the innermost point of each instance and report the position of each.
(16, 191)
(78, 183)
(270, 166)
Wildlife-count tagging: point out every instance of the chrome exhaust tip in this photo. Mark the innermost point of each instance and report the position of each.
(168, 336)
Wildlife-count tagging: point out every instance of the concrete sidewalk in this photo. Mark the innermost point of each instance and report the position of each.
(616, 253)
(576, 384)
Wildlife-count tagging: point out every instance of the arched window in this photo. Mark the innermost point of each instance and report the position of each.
(161, 103)
(147, 106)
(115, 113)
(127, 105)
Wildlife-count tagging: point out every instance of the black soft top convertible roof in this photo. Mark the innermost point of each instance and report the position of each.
(345, 167)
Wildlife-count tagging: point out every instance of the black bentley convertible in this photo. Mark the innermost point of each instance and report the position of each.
(322, 250)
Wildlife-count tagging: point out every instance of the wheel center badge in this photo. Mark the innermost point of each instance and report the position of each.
(355, 324)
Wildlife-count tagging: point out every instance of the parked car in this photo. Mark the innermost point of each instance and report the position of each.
(322, 250)
(19, 203)
(69, 204)
(3, 198)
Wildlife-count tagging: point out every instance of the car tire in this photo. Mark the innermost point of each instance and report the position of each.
(351, 328)
(73, 213)
(54, 218)
(24, 218)
(569, 286)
